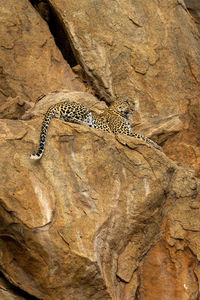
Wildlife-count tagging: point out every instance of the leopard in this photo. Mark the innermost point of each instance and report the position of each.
(114, 119)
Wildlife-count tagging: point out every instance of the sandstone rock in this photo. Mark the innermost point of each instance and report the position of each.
(77, 223)
(14, 108)
(30, 62)
(100, 217)
(149, 50)
(169, 274)
(175, 259)
(194, 8)
(7, 292)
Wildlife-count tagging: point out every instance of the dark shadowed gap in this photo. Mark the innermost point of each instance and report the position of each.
(193, 7)
(57, 29)
(16, 291)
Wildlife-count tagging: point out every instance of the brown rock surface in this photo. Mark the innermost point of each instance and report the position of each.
(30, 62)
(77, 223)
(149, 50)
(194, 8)
(169, 274)
(100, 217)
(175, 259)
(7, 292)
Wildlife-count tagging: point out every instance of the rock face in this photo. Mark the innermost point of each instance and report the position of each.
(99, 216)
(175, 258)
(8, 292)
(87, 191)
(79, 221)
(194, 8)
(30, 62)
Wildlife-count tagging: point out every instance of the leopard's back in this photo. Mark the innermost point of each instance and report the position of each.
(73, 112)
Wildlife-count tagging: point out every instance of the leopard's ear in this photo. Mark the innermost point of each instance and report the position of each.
(129, 99)
(130, 102)
(124, 99)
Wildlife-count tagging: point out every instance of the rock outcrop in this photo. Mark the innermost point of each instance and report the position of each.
(99, 216)
(30, 62)
(194, 8)
(79, 222)
(8, 292)
(175, 258)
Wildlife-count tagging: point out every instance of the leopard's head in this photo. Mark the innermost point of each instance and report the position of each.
(124, 107)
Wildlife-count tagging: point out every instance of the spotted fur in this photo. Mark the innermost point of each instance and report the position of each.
(114, 119)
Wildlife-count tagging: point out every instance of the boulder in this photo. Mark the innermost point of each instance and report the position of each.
(30, 62)
(78, 223)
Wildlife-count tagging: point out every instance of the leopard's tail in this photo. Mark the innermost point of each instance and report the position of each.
(45, 124)
(147, 140)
